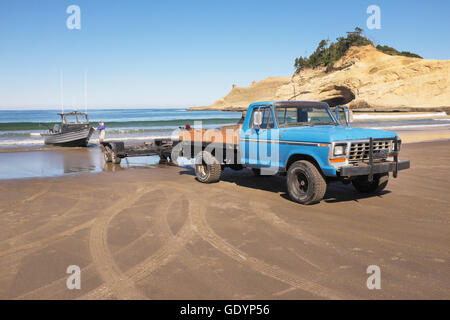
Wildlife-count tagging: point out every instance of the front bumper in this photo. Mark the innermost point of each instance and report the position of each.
(383, 167)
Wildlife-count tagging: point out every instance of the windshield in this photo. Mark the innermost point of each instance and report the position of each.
(72, 119)
(301, 116)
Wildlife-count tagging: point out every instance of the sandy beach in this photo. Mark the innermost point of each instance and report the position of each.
(137, 141)
(145, 231)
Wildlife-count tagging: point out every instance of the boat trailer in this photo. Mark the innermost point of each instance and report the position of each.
(115, 151)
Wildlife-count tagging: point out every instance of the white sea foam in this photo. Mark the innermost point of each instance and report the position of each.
(20, 142)
(41, 141)
(397, 116)
(418, 126)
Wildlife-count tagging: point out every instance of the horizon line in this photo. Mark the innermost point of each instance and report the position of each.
(41, 108)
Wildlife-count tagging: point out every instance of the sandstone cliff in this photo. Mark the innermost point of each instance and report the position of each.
(364, 78)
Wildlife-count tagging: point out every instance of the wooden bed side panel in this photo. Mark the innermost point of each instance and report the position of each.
(225, 135)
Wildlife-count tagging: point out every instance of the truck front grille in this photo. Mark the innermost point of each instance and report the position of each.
(359, 151)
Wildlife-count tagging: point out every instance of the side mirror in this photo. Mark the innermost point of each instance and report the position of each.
(257, 119)
(349, 116)
(344, 114)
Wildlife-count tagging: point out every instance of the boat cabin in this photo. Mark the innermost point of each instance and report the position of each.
(71, 121)
(74, 117)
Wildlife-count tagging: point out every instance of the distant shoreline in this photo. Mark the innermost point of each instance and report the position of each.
(402, 110)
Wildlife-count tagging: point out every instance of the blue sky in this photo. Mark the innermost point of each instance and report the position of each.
(185, 53)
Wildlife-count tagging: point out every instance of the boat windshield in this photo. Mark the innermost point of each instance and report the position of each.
(75, 119)
(304, 116)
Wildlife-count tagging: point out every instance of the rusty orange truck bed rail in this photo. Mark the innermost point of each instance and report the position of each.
(225, 135)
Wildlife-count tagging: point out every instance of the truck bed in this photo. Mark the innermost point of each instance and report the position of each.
(228, 135)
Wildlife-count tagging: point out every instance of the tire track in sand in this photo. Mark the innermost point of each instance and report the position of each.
(265, 213)
(38, 194)
(141, 271)
(37, 244)
(102, 258)
(51, 290)
(19, 203)
(19, 241)
(48, 240)
(192, 263)
(197, 213)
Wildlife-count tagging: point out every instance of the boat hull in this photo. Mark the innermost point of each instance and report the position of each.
(77, 138)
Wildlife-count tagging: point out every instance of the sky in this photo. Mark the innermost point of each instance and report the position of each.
(185, 53)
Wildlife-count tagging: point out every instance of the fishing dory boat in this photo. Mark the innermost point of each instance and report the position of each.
(74, 131)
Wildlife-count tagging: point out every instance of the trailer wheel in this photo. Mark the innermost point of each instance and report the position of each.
(107, 154)
(362, 184)
(305, 183)
(207, 168)
(177, 151)
(114, 158)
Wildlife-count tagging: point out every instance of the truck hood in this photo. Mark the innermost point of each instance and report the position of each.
(328, 134)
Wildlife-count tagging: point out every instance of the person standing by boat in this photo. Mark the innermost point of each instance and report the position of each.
(102, 132)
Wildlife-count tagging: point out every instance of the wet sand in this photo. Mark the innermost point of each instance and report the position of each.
(414, 136)
(155, 233)
(62, 161)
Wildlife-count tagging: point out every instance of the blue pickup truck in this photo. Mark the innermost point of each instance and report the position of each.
(303, 140)
(306, 141)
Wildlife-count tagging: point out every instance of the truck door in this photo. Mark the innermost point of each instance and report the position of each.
(258, 140)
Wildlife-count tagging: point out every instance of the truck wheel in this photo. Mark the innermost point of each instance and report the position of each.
(107, 154)
(114, 158)
(305, 183)
(362, 184)
(207, 168)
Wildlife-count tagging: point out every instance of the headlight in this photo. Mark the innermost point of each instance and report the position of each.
(340, 150)
(399, 145)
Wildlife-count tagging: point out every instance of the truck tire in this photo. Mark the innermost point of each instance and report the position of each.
(305, 183)
(163, 159)
(107, 154)
(362, 184)
(114, 158)
(207, 168)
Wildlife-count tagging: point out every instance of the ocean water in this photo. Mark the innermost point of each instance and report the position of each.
(22, 128)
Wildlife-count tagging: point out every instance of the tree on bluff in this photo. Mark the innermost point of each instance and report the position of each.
(328, 53)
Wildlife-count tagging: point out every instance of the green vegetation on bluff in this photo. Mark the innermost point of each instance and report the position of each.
(328, 53)
(391, 51)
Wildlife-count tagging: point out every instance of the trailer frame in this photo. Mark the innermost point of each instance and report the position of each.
(115, 151)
